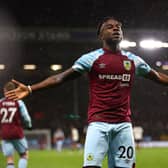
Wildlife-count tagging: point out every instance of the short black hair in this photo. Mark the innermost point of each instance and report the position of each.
(10, 86)
(102, 21)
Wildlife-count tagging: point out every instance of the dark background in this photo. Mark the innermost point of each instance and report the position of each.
(68, 31)
(85, 13)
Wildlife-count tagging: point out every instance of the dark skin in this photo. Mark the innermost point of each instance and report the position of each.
(110, 34)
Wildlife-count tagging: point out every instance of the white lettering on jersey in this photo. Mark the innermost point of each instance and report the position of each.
(123, 77)
(5, 117)
(8, 103)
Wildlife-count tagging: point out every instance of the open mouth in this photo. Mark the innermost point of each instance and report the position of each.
(116, 34)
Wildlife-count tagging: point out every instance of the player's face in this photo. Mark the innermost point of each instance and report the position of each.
(111, 31)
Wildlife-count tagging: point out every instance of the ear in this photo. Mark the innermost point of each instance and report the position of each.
(100, 37)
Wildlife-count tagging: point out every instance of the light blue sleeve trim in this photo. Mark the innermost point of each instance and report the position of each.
(142, 68)
(2, 99)
(24, 113)
(85, 62)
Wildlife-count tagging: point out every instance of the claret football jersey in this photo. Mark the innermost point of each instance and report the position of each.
(12, 115)
(111, 76)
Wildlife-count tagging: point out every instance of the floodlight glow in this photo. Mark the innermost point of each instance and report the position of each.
(55, 67)
(153, 44)
(126, 44)
(165, 45)
(158, 63)
(2, 66)
(165, 67)
(29, 67)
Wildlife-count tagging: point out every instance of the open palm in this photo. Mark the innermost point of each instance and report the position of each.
(20, 92)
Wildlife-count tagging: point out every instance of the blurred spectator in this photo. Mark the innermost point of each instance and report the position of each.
(74, 137)
(58, 139)
(138, 135)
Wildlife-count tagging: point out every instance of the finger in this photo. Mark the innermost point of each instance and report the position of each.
(10, 95)
(14, 97)
(10, 92)
(16, 82)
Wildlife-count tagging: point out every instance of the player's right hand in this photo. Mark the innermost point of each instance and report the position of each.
(20, 92)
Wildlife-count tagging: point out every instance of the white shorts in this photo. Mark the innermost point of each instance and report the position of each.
(9, 146)
(114, 140)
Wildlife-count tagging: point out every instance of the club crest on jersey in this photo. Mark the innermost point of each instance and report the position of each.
(127, 65)
(90, 157)
(102, 65)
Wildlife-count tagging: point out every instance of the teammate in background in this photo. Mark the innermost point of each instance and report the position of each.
(58, 139)
(111, 72)
(12, 114)
(138, 135)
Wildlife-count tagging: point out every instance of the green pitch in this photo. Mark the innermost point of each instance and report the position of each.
(146, 158)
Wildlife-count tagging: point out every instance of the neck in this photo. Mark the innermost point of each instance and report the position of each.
(114, 47)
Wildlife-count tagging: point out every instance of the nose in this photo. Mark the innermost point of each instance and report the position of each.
(115, 28)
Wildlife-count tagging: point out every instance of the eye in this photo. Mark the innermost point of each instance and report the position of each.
(109, 26)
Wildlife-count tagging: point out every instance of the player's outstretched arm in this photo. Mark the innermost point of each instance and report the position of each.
(158, 77)
(23, 90)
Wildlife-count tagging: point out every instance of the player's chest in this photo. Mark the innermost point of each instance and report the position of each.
(114, 64)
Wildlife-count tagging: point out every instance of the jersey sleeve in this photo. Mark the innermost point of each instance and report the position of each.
(82, 64)
(24, 113)
(142, 68)
(85, 62)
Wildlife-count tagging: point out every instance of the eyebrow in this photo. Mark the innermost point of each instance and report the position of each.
(108, 25)
(119, 23)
